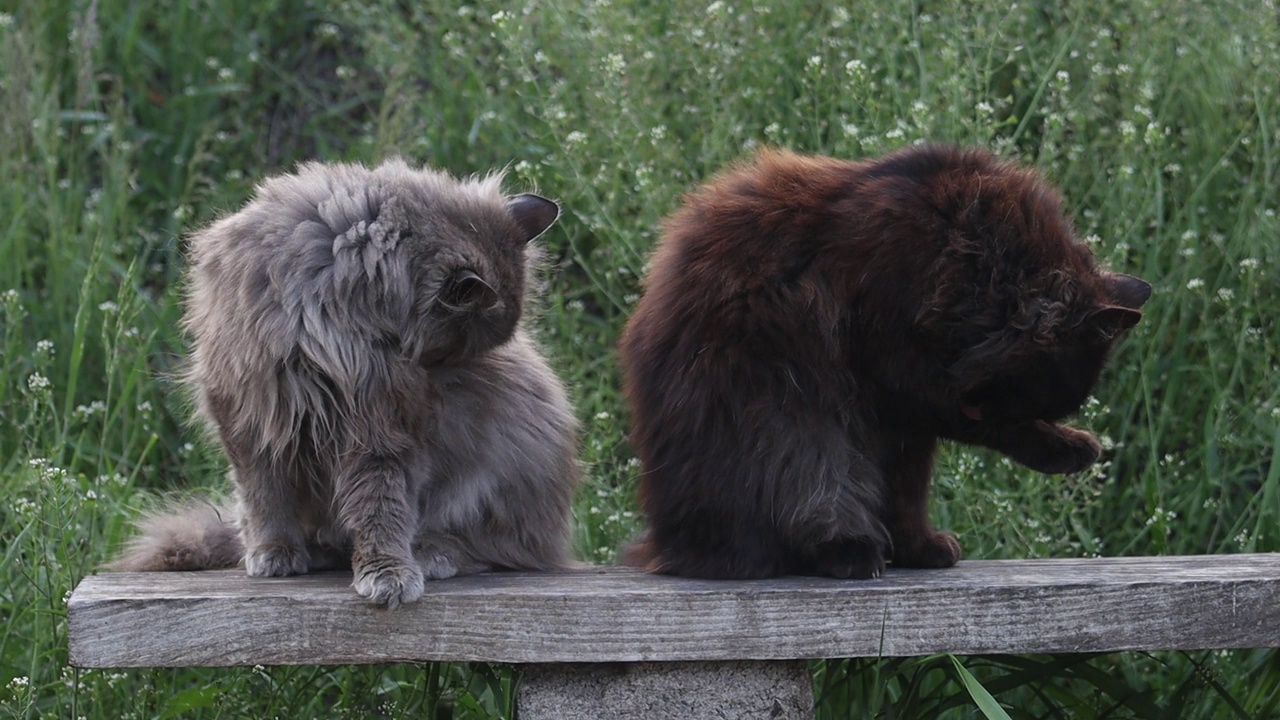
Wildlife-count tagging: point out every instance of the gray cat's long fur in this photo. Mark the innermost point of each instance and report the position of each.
(356, 345)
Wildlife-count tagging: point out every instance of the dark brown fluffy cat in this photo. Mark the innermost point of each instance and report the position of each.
(811, 327)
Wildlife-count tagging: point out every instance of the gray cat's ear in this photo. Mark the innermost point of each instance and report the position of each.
(1127, 291)
(533, 213)
(465, 291)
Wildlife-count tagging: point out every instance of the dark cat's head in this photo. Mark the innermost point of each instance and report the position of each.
(1046, 368)
(1019, 312)
(468, 252)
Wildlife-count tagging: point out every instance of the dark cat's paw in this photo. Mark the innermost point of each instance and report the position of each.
(936, 550)
(848, 560)
(1073, 451)
(388, 581)
(276, 560)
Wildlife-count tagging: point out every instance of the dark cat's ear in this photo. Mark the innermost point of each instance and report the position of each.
(1127, 291)
(1112, 320)
(465, 291)
(533, 214)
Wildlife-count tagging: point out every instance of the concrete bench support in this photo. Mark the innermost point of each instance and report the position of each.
(752, 690)
(679, 640)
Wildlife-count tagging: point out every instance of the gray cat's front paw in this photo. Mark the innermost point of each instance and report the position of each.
(276, 561)
(388, 582)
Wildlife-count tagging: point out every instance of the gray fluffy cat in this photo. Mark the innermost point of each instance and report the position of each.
(357, 347)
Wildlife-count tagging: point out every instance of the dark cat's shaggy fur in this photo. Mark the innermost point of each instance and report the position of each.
(357, 346)
(811, 327)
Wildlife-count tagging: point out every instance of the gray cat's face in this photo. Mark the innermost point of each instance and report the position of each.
(468, 270)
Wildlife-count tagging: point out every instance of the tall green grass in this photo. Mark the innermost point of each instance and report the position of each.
(125, 124)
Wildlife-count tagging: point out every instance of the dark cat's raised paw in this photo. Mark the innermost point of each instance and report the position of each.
(1046, 447)
(937, 550)
(1073, 451)
(386, 581)
(848, 560)
(276, 561)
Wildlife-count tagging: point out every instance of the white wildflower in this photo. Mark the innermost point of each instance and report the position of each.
(97, 407)
(1153, 134)
(615, 64)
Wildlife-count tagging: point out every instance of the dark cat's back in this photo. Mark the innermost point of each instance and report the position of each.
(810, 327)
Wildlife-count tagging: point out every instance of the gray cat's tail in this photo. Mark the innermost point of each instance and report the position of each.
(195, 536)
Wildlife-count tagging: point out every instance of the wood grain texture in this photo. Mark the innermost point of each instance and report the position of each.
(618, 615)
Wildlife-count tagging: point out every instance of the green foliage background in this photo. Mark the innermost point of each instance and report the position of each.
(125, 124)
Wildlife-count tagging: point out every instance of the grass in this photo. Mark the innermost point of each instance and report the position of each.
(124, 125)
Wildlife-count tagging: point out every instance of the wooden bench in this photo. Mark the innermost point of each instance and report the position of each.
(613, 642)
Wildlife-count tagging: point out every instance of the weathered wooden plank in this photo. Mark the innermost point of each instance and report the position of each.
(617, 615)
